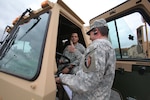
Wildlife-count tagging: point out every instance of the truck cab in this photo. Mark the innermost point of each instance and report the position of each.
(36, 39)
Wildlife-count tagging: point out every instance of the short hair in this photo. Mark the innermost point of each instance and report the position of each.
(74, 33)
(104, 30)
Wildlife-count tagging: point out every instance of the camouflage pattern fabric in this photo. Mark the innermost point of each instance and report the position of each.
(95, 81)
(80, 47)
(74, 57)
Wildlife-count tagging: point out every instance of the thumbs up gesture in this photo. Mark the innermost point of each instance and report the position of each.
(71, 48)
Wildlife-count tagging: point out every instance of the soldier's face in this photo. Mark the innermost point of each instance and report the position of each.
(74, 38)
(92, 35)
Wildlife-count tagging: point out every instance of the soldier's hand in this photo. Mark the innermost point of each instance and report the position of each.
(66, 70)
(57, 79)
(71, 47)
(60, 61)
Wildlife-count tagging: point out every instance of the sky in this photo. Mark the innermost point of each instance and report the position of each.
(85, 9)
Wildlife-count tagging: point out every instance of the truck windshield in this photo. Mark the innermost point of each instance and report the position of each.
(23, 59)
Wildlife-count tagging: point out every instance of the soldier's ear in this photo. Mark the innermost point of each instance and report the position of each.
(95, 32)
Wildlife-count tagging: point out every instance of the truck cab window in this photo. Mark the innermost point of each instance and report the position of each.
(130, 36)
(65, 29)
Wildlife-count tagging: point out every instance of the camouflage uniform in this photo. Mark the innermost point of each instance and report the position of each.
(93, 82)
(80, 47)
(74, 57)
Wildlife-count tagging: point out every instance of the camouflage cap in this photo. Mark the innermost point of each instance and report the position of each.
(97, 23)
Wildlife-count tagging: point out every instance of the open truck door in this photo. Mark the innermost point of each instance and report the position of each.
(129, 33)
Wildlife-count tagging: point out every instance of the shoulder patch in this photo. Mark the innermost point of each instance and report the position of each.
(89, 62)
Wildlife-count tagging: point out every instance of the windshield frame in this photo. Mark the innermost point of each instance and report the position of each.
(37, 72)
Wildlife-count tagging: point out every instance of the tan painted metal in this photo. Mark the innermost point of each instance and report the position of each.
(127, 6)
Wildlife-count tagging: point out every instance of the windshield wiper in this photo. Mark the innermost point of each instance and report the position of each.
(38, 19)
(10, 38)
(8, 43)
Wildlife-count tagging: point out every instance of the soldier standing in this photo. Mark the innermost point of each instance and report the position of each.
(94, 79)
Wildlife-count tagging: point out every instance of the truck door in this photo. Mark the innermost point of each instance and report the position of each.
(129, 33)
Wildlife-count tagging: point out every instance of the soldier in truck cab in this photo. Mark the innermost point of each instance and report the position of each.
(74, 58)
(94, 79)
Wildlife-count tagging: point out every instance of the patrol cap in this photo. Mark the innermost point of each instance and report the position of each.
(97, 23)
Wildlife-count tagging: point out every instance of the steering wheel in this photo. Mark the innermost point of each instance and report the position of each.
(61, 55)
(64, 64)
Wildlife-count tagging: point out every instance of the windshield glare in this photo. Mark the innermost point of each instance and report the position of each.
(23, 58)
(133, 34)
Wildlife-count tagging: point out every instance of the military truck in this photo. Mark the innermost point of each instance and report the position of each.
(36, 39)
